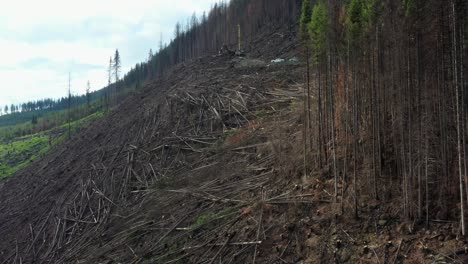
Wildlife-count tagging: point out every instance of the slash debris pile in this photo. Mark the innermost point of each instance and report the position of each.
(184, 171)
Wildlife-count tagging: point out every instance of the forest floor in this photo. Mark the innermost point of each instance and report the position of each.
(204, 165)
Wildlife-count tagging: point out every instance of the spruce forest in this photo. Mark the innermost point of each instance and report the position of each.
(387, 103)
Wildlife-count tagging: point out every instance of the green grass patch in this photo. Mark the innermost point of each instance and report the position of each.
(205, 220)
(262, 113)
(21, 151)
(78, 123)
(18, 154)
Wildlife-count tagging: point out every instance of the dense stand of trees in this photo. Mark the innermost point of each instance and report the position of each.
(44, 104)
(390, 118)
(204, 35)
(21, 113)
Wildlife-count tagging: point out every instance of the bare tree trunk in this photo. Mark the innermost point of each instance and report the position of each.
(406, 210)
(346, 131)
(410, 133)
(373, 109)
(378, 109)
(463, 106)
(459, 148)
(309, 119)
(332, 108)
(419, 115)
(441, 107)
(306, 111)
(304, 133)
(320, 127)
(355, 136)
(427, 180)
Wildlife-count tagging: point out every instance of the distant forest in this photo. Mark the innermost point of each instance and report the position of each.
(26, 111)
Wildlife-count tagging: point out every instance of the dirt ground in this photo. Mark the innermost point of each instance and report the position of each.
(202, 166)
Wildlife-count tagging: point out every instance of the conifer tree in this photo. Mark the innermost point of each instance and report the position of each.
(117, 65)
(88, 95)
(150, 55)
(304, 21)
(318, 30)
(69, 105)
(109, 82)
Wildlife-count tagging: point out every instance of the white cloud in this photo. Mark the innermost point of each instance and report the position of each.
(40, 41)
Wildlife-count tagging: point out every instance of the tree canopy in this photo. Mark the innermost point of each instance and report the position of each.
(318, 29)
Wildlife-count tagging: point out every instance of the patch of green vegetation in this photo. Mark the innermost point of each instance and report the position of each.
(78, 123)
(318, 30)
(210, 217)
(19, 152)
(262, 113)
(295, 105)
(229, 133)
(226, 135)
(410, 7)
(221, 140)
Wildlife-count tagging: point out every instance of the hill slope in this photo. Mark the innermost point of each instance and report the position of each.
(78, 202)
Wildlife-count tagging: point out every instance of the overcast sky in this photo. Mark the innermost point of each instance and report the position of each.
(41, 41)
